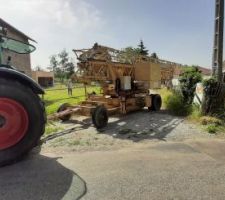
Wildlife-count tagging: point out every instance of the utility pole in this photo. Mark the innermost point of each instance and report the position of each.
(218, 41)
(214, 92)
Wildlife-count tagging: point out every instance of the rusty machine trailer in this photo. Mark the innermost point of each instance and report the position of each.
(125, 80)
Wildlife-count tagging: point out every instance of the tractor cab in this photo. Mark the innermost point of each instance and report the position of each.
(13, 45)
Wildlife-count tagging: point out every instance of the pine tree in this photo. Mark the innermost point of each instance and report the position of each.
(142, 49)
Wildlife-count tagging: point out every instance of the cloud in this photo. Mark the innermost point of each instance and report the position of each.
(55, 24)
(63, 13)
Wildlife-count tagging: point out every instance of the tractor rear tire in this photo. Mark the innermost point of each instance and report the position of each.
(156, 102)
(22, 120)
(63, 107)
(100, 117)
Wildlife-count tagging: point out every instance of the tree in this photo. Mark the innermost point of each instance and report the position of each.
(53, 63)
(62, 65)
(63, 59)
(70, 68)
(55, 67)
(142, 49)
(188, 82)
(66, 63)
(38, 68)
(128, 55)
(154, 55)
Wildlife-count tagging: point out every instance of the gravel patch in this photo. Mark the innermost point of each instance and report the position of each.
(135, 128)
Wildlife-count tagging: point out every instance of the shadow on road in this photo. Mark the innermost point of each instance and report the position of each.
(143, 125)
(39, 178)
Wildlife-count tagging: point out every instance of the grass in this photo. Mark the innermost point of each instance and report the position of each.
(49, 129)
(195, 114)
(56, 96)
(212, 129)
(212, 125)
(164, 93)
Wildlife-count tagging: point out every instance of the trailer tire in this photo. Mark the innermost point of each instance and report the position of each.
(63, 107)
(22, 120)
(151, 107)
(100, 117)
(156, 102)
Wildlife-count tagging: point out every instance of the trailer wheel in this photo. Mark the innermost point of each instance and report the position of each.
(100, 117)
(156, 102)
(63, 107)
(22, 120)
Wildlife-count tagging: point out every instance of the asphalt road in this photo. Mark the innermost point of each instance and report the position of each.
(163, 170)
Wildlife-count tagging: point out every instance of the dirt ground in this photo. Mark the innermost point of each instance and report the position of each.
(134, 129)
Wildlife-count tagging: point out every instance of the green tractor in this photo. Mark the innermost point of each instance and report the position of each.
(22, 113)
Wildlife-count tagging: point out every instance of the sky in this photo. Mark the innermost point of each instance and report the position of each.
(177, 30)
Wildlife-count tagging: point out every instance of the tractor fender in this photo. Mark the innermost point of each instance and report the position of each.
(11, 73)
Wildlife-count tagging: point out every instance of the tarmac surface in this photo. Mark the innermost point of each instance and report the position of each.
(167, 170)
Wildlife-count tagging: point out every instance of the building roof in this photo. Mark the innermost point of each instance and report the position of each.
(205, 71)
(3, 22)
(178, 70)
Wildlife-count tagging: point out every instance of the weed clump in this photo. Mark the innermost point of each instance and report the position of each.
(176, 105)
(208, 120)
(212, 129)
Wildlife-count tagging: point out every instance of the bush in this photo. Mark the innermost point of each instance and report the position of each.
(175, 104)
(188, 81)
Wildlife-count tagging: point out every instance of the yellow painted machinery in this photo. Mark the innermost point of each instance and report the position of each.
(125, 80)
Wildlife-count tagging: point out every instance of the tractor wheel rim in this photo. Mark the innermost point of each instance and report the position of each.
(14, 122)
